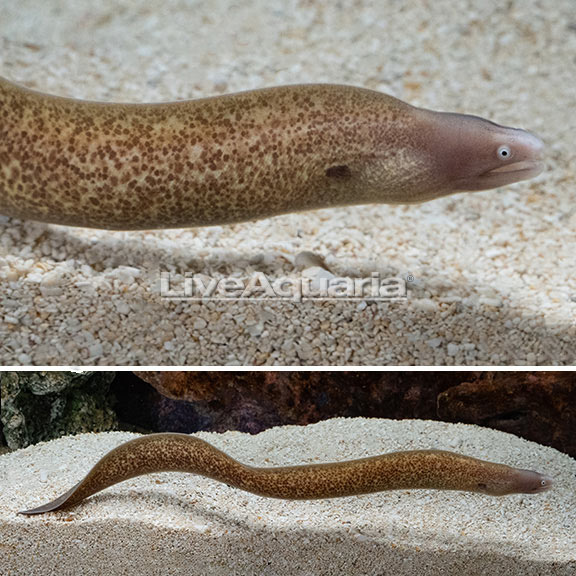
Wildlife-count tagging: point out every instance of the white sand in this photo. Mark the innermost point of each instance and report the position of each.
(494, 271)
(174, 523)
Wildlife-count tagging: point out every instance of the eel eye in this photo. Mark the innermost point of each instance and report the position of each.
(504, 152)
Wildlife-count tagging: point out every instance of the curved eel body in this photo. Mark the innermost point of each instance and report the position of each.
(241, 156)
(431, 469)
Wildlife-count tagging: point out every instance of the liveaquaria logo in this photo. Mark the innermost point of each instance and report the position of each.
(258, 286)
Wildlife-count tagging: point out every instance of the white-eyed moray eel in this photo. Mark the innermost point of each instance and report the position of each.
(242, 156)
(430, 469)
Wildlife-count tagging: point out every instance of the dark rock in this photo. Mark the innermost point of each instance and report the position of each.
(40, 406)
(254, 401)
(539, 406)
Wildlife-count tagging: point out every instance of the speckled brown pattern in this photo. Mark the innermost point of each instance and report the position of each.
(238, 157)
(433, 469)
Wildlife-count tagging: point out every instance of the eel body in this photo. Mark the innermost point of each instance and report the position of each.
(429, 469)
(242, 156)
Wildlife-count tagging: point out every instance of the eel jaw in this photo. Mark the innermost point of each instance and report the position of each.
(516, 171)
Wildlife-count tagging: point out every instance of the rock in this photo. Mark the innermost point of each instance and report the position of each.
(539, 406)
(254, 401)
(188, 386)
(306, 259)
(43, 405)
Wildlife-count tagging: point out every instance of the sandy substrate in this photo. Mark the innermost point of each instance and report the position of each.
(174, 523)
(493, 272)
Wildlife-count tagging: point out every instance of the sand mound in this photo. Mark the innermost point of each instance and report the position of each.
(174, 523)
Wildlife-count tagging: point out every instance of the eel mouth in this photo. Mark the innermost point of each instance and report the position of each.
(524, 168)
(511, 173)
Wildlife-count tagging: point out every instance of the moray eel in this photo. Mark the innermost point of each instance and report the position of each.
(430, 469)
(240, 157)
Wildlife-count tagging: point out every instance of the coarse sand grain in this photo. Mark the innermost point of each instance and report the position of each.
(176, 523)
(492, 274)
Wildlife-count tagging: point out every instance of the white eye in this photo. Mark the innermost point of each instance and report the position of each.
(504, 153)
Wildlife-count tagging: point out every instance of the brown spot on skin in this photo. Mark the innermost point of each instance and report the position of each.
(429, 469)
(339, 172)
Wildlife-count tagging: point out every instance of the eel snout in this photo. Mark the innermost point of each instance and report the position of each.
(526, 158)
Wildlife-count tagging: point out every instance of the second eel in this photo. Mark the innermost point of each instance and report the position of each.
(241, 156)
(431, 469)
